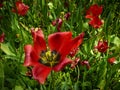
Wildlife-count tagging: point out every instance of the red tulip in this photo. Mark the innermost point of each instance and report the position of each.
(93, 14)
(21, 8)
(45, 60)
(102, 46)
(94, 11)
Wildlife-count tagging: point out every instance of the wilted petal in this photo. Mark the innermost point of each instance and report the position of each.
(75, 62)
(54, 22)
(59, 24)
(40, 73)
(86, 63)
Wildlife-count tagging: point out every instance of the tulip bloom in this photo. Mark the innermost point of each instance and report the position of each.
(94, 11)
(102, 46)
(44, 59)
(2, 37)
(21, 8)
(93, 14)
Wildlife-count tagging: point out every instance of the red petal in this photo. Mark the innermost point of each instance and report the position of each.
(39, 42)
(40, 72)
(62, 64)
(96, 22)
(21, 8)
(57, 40)
(30, 57)
(67, 47)
(89, 16)
(94, 10)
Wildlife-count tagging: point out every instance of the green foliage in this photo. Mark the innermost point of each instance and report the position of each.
(100, 76)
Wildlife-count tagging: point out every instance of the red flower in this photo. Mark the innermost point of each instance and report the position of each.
(111, 60)
(102, 46)
(55, 58)
(94, 11)
(67, 15)
(86, 63)
(95, 22)
(58, 23)
(2, 37)
(93, 14)
(21, 8)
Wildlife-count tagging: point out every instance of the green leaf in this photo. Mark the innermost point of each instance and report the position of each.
(18, 88)
(86, 84)
(1, 76)
(6, 49)
(102, 84)
(77, 86)
(116, 41)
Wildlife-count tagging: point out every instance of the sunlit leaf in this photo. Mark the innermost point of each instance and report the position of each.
(6, 49)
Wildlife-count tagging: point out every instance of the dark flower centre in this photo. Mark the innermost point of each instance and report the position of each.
(49, 58)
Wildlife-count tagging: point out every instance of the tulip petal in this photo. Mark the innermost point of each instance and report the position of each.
(40, 73)
(30, 57)
(94, 10)
(65, 50)
(96, 22)
(57, 40)
(62, 64)
(39, 42)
